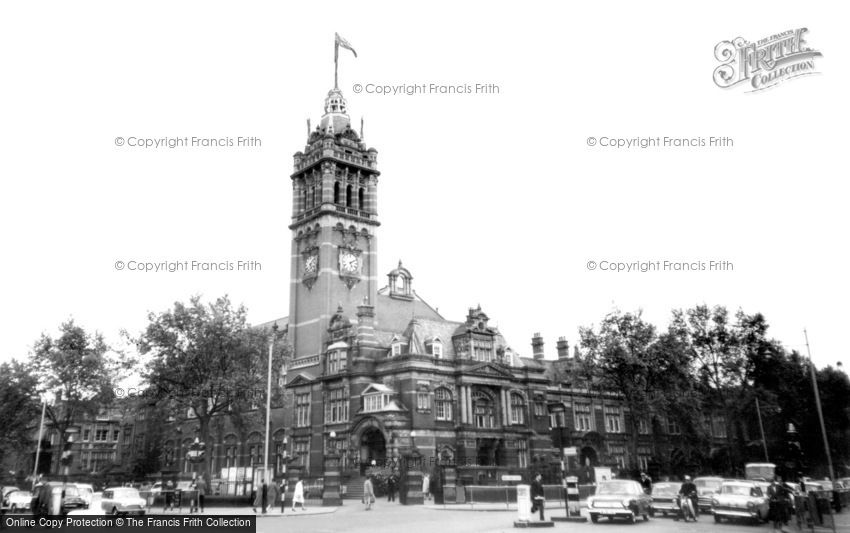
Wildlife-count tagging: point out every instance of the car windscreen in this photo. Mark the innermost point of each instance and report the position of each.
(707, 485)
(665, 489)
(736, 490)
(615, 487)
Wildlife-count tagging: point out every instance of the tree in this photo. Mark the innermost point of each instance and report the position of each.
(76, 373)
(206, 360)
(627, 360)
(20, 411)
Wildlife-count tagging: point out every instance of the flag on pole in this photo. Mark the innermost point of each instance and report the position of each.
(345, 44)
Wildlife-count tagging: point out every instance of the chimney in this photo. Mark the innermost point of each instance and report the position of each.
(366, 324)
(563, 348)
(537, 346)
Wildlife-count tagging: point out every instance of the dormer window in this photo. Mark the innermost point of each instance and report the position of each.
(395, 347)
(401, 283)
(435, 348)
(337, 358)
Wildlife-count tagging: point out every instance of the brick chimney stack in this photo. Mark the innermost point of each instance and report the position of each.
(563, 348)
(537, 346)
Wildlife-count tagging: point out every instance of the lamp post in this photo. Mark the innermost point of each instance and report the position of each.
(38, 446)
(269, 404)
(820, 411)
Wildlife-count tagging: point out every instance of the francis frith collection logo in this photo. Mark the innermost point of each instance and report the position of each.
(764, 63)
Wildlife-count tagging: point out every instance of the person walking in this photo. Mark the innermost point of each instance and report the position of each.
(538, 498)
(298, 494)
(260, 495)
(391, 488)
(272, 496)
(368, 493)
(201, 487)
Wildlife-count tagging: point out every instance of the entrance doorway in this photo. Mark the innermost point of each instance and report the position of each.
(373, 448)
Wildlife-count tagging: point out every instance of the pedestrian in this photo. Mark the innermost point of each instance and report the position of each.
(192, 493)
(646, 483)
(272, 496)
(283, 486)
(368, 493)
(538, 498)
(260, 494)
(298, 494)
(778, 511)
(201, 487)
(169, 496)
(426, 487)
(391, 487)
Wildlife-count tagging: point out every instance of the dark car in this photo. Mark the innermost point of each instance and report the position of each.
(707, 487)
(69, 499)
(619, 498)
(664, 498)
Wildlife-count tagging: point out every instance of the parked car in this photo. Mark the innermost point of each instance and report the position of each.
(740, 499)
(86, 491)
(17, 501)
(43, 497)
(6, 489)
(664, 498)
(619, 498)
(707, 487)
(123, 500)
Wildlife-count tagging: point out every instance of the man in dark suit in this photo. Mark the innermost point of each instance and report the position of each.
(537, 497)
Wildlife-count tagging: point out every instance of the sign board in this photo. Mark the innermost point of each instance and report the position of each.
(523, 503)
(507, 477)
(571, 451)
(602, 473)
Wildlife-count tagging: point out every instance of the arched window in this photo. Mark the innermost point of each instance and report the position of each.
(443, 404)
(517, 408)
(483, 410)
(317, 196)
(348, 196)
(311, 197)
(336, 192)
(361, 198)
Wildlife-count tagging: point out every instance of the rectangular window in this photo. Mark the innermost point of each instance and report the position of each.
(644, 455)
(522, 453)
(584, 420)
(643, 426)
(396, 349)
(336, 361)
(101, 435)
(613, 422)
(116, 434)
(423, 401)
(719, 427)
(539, 407)
(372, 403)
(437, 350)
(302, 410)
(86, 435)
(673, 427)
(444, 404)
(618, 454)
(301, 450)
(336, 407)
(557, 418)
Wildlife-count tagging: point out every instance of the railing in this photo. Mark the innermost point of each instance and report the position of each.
(305, 361)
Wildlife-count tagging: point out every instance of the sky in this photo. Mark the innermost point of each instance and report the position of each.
(495, 198)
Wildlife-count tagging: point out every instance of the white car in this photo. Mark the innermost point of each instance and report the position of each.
(740, 500)
(123, 500)
(86, 491)
(17, 501)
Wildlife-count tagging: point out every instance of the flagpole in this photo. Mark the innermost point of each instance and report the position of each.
(38, 448)
(336, 63)
(820, 412)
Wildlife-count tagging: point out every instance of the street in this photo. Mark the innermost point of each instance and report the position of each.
(392, 517)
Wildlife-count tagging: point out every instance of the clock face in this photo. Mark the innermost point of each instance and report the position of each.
(311, 264)
(349, 263)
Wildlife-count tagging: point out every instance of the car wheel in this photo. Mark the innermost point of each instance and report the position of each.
(652, 513)
(664, 513)
(114, 511)
(594, 517)
(646, 518)
(717, 518)
(632, 519)
(13, 509)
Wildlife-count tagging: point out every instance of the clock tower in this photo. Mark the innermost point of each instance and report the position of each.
(334, 222)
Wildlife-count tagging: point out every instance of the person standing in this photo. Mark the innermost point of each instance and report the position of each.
(538, 498)
(777, 496)
(646, 483)
(426, 487)
(391, 488)
(298, 494)
(201, 487)
(260, 495)
(283, 486)
(368, 493)
(168, 489)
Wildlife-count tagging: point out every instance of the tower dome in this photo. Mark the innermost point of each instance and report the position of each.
(335, 119)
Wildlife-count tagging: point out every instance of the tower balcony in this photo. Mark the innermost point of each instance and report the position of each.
(332, 208)
(304, 161)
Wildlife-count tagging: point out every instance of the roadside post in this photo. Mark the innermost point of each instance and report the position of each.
(523, 509)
